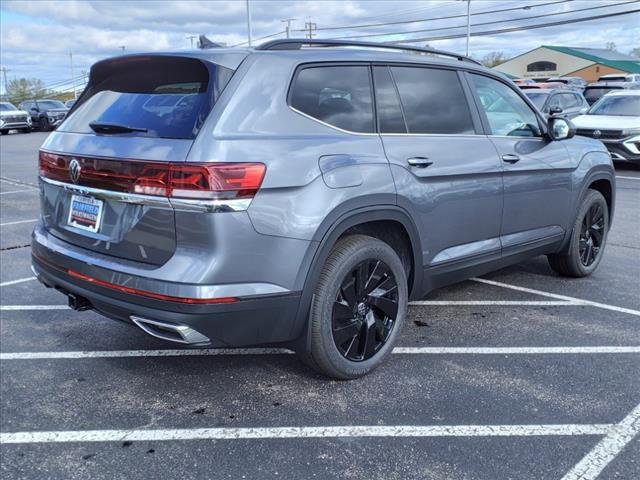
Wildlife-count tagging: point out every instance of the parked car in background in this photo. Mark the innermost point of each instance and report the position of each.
(616, 77)
(70, 103)
(594, 91)
(615, 121)
(573, 83)
(46, 114)
(523, 81)
(300, 193)
(569, 103)
(13, 119)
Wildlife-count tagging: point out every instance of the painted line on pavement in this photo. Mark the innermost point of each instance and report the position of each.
(18, 222)
(607, 449)
(19, 183)
(304, 432)
(498, 303)
(14, 308)
(15, 282)
(604, 306)
(29, 190)
(628, 178)
(284, 351)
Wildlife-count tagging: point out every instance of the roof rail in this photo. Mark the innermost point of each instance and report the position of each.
(297, 43)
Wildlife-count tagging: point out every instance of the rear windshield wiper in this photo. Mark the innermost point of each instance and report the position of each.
(114, 128)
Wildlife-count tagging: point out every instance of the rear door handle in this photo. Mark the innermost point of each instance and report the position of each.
(419, 162)
(510, 158)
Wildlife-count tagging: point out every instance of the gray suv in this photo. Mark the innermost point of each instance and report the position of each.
(299, 194)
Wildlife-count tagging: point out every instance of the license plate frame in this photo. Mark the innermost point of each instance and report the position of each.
(85, 212)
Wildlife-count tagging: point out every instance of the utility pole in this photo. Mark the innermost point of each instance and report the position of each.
(73, 78)
(249, 35)
(288, 22)
(468, 24)
(4, 73)
(311, 26)
(191, 37)
(122, 47)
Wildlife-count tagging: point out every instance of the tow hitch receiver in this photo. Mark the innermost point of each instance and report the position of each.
(79, 303)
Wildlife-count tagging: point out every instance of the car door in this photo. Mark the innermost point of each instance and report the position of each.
(447, 173)
(537, 170)
(571, 105)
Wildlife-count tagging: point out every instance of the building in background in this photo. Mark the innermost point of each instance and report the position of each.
(552, 61)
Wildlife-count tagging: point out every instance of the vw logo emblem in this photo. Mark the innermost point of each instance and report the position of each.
(74, 170)
(597, 133)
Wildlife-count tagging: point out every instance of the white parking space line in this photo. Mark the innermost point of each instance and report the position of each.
(14, 308)
(627, 178)
(18, 222)
(29, 190)
(304, 432)
(523, 303)
(607, 449)
(20, 183)
(15, 282)
(574, 300)
(283, 351)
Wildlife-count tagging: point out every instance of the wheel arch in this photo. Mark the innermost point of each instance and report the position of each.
(363, 220)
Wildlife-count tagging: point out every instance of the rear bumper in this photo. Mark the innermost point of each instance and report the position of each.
(247, 321)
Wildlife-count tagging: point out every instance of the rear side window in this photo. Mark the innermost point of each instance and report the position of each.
(433, 101)
(337, 95)
(167, 97)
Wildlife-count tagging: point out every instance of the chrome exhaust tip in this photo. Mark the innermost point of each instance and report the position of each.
(172, 332)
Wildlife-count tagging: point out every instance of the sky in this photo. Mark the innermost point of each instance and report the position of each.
(36, 37)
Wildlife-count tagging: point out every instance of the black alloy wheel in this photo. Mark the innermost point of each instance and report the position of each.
(365, 310)
(591, 234)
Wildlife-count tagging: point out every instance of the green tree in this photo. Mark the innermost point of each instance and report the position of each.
(611, 46)
(635, 52)
(494, 58)
(20, 89)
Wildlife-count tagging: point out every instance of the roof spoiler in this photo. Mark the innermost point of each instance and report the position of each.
(297, 44)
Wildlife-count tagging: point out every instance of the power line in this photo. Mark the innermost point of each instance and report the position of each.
(493, 21)
(400, 22)
(513, 29)
(259, 38)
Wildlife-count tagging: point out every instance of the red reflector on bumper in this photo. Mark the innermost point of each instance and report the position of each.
(135, 291)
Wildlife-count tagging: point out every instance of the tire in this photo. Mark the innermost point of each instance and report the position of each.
(586, 246)
(26, 130)
(44, 124)
(350, 320)
(4, 132)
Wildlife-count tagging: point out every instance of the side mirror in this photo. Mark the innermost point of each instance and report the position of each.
(555, 110)
(560, 128)
(34, 109)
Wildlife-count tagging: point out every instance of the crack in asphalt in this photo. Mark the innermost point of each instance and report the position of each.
(14, 247)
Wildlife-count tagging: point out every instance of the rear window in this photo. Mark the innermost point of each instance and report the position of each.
(595, 93)
(337, 95)
(165, 97)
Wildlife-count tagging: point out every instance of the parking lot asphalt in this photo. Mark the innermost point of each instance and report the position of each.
(519, 375)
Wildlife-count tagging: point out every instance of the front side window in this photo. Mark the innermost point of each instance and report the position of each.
(337, 95)
(569, 100)
(433, 101)
(507, 113)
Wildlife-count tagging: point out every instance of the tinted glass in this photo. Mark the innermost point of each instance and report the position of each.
(627, 106)
(433, 101)
(593, 94)
(390, 116)
(164, 97)
(339, 96)
(568, 100)
(508, 114)
(47, 104)
(537, 98)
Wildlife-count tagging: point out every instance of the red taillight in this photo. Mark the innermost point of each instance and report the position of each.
(227, 180)
(177, 180)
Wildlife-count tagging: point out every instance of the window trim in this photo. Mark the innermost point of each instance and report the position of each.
(304, 66)
(542, 124)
